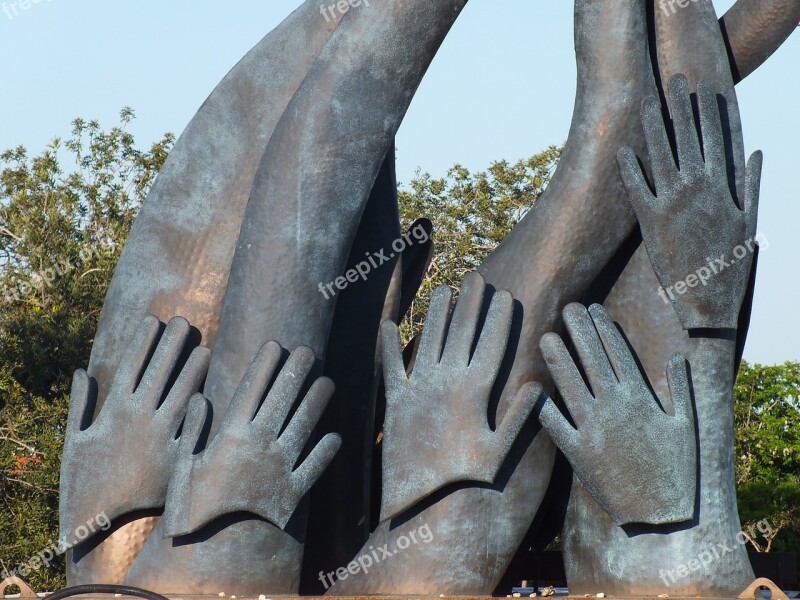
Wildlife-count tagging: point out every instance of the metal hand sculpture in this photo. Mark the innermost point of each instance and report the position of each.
(548, 260)
(300, 222)
(265, 124)
(179, 252)
(637, 462)
(699, 240)
(131, 474)
(252, 437)
(582, 219)
(436, 430)
(712, 358)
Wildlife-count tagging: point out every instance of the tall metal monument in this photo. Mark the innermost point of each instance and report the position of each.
(226, 422)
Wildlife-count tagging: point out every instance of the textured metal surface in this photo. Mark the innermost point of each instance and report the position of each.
(236, 554)
(313, 183)
(636, 461)
(308, 195)
(557, 250)
(308, 173)
(102, 480)
(262, 437)
(109, 557)
(701, 257)
(443, 402)
(177, 258)
(687, 42)
(755, 29)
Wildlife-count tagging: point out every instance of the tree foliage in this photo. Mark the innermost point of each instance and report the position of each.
(31, 438)
(64, 216)
(767, 451)
(471, 214)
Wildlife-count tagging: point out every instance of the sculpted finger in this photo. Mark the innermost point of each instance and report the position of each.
(464, 323)
(312, 468)
(305, 419)
(286, 390)
(589, 348)
(250, 392)
(189, 382)
(714, 153)
(135, 357)
(619, 354)
(162, 364)
(687, 141)
(81, 402)
(655, 133)
(193, 425)
(678, 380)
(566, 376)
(517, 415)
(752, 187)
(564, 435)
(394, 371)
(639, 194)
(435, 328)
(493, 340)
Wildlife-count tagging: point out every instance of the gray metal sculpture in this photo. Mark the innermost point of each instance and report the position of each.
(446, 397)
(693, 203)
(185, 234)
(253, 437)
(709, 222)
(140, 460)
(283, 180)
(637, 462)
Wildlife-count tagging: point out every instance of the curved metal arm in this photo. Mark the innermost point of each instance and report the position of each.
(755, 29)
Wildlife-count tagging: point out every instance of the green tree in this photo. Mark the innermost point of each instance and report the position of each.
(65, 215)
(767, 453)
(31, 438)
(471, 214)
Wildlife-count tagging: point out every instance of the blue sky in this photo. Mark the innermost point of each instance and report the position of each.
(502, 87)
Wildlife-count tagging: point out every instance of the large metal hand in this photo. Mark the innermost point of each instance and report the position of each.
(122, 461)
(250, 463)
(436, 430)
(699, 240)
(636, 461)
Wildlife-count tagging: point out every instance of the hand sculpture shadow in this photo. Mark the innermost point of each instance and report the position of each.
(436, 430)
(637, 462)
(700, 242)
(121, 462)
(250, 464)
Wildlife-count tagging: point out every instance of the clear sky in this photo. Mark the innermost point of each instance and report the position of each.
(502, 87)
